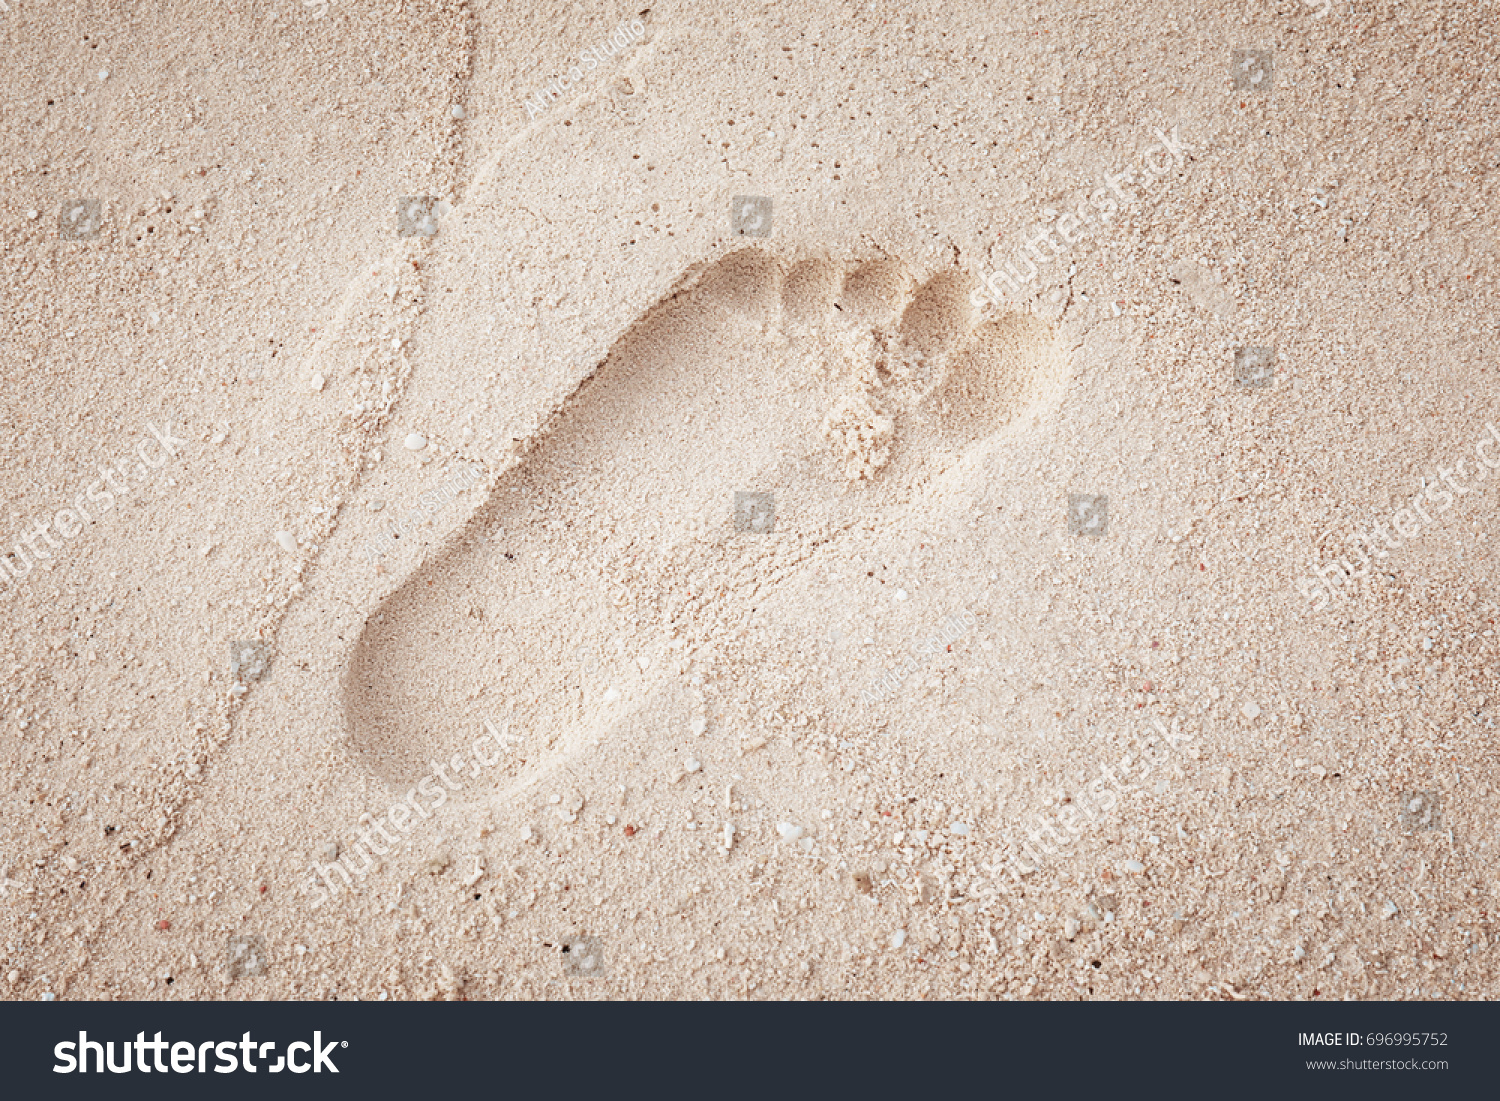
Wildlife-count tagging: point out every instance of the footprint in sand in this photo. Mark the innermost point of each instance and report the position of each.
(834, 393)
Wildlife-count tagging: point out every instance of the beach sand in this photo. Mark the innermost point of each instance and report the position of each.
(693, 570)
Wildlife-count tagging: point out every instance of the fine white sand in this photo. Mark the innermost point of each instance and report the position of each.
(716, 605)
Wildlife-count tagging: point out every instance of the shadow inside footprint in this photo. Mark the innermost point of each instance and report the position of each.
(825, 397)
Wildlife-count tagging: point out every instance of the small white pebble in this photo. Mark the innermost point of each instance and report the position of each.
(1134, 867)
(33, 215)
(456, 111)
(415, 442)
(960, 828)
(1390, 910)
(103, 74)
(698, 725)
(288, 541)
(644, 662)
(692, 764)
(788, 831)
(1251, 711)
(217, 437)
(1070, 928)
(48, 996)
(900, 594)
(318, 381)
(898, 938)
(611, 695)
(1298, 953)
(728, 836)
(525, 833)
